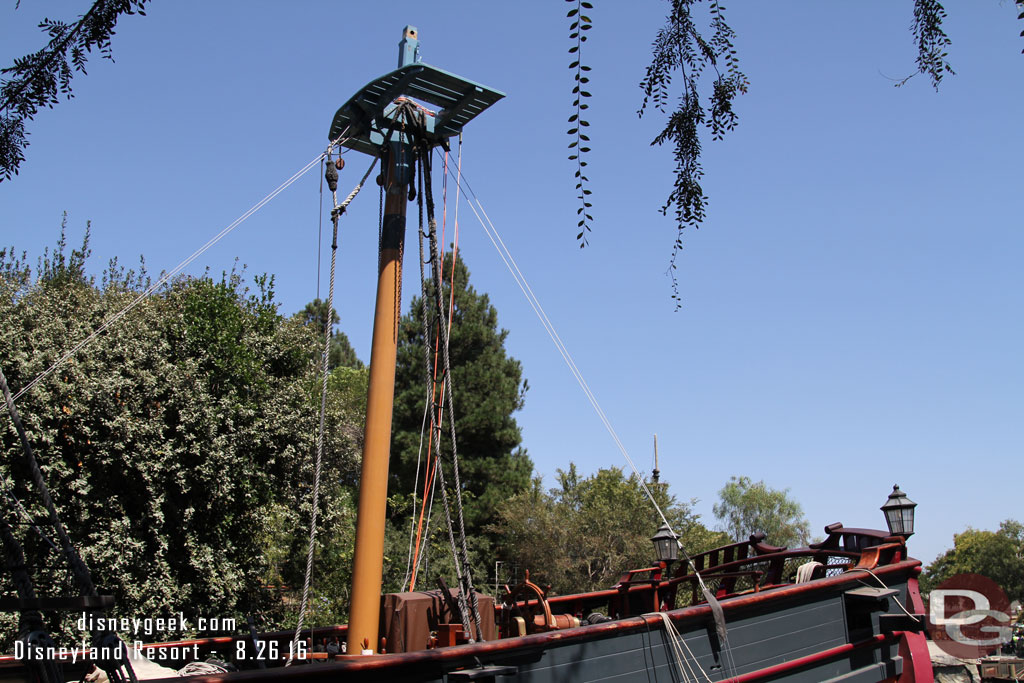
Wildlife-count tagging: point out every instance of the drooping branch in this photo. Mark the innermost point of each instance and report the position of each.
(39, 79)
(931, 41)
(680, 47)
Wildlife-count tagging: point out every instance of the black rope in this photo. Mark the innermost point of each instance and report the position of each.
(435, 429)
(437, 266)
(83, 578)
(79, 570)
(31, 630)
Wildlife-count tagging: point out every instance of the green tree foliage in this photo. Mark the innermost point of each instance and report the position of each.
(999, 555)
(488, 390)
(341, 353)
(746, 507)
(286, 540)
(177, 443)
(584, 533)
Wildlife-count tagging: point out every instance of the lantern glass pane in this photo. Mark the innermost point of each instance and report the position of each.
(908, 520)
(894, 520)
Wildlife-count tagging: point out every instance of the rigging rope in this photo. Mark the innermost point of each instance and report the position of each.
(8, 487)
(437, 268)
(914, 617)
(425, 558)
(79, 571)
(30, 623)
(510, 263)
(681, 651)
(429, 406)
(410, 572)
(324, 357)
(416, 525)
(506, 256)
(435, 428)
(174, 271)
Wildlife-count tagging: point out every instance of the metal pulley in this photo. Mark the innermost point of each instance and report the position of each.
(331, 175)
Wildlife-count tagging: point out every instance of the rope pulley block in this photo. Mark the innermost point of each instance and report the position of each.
(331, 175)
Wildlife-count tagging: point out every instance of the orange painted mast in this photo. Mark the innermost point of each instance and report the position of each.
(382, 120)
(373, 485)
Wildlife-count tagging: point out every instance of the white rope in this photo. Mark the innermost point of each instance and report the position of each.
(424, 558)
(506, 256)
(524, 286)
(458, 193)
(415, 493)
(171, 273)
(678, 644)
(882, 584)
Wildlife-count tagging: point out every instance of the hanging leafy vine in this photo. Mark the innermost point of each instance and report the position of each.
(578, 148)
(38, 79)
(680, 47)
(931, 41)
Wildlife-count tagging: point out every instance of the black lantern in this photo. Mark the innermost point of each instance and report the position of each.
(665, 545)
(899, 513)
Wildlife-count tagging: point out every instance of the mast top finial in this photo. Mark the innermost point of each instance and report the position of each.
(409, 47)
(656, 474)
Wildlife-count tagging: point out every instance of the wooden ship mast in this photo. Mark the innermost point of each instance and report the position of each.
(383, 120)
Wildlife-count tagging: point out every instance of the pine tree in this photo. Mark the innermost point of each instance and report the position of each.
(341, 355)
(488, 390)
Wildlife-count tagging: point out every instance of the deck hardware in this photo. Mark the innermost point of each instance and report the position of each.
(482, 673)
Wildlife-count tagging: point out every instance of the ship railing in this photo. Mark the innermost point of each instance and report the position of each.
(755, 574)
(733, 552)
(643, 590)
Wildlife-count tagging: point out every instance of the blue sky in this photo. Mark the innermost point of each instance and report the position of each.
(852, 307)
